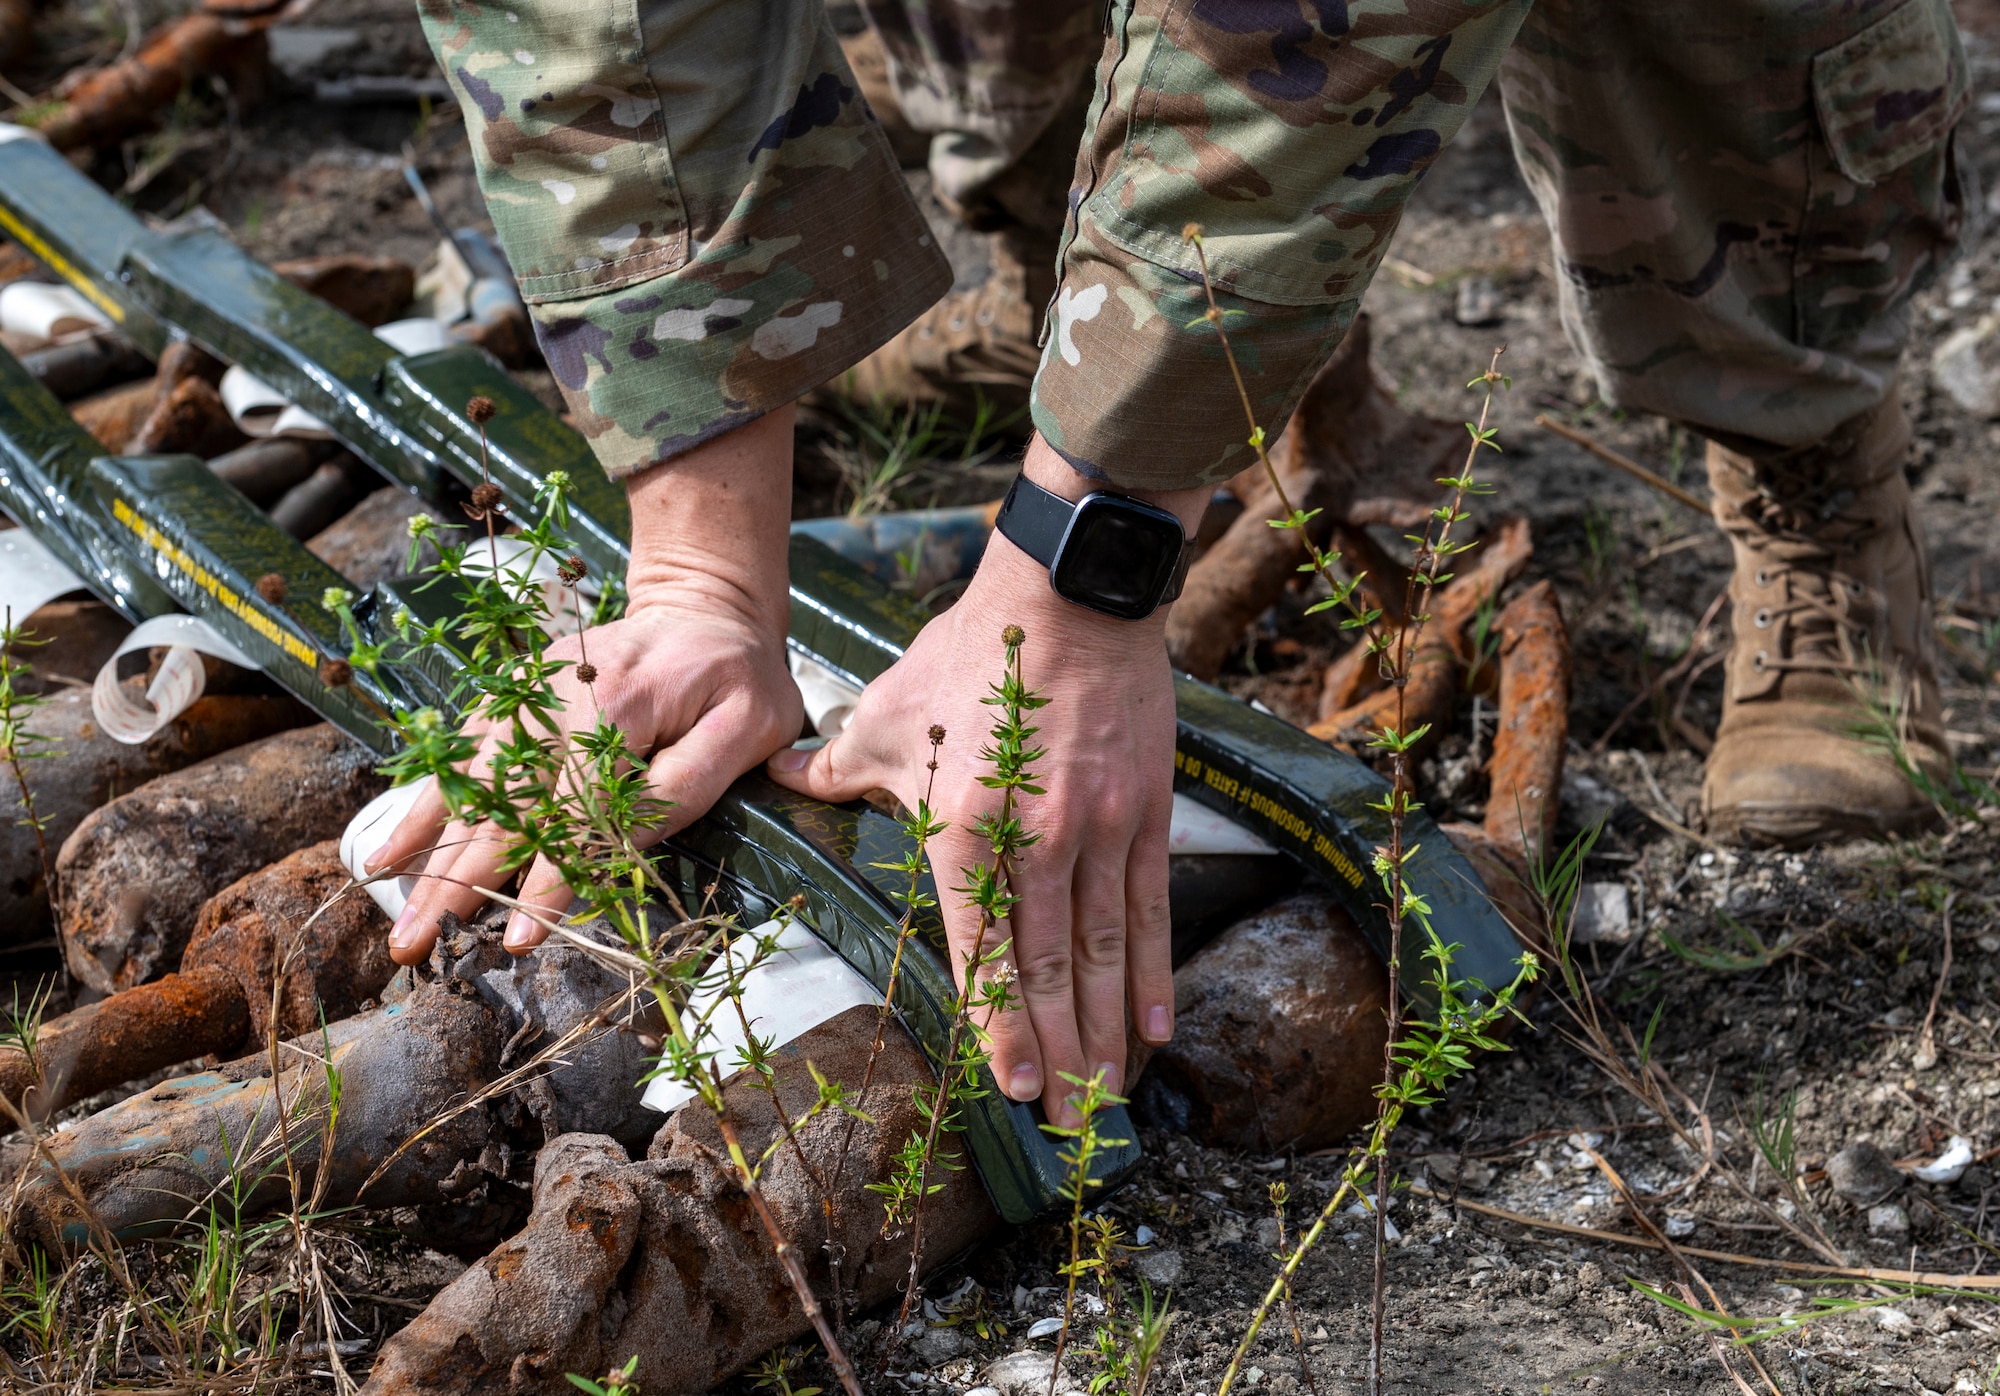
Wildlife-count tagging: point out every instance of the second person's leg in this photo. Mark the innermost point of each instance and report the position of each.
(1744, 197)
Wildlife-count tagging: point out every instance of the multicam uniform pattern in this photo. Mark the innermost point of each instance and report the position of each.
(1744, 194)
(704, 216)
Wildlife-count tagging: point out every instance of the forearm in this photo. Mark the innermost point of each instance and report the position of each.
(713, 525)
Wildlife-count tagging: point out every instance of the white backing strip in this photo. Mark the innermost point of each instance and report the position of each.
(174, 688)
(38, 310)
(259, 409)
(30, 575)
(787, 995)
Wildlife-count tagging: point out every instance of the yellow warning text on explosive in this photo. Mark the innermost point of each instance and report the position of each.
(1282, 818)
(243, 610)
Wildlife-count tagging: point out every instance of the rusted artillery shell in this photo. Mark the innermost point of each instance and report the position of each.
(1427, 698)
(428, 1049)
(185, 359)
(135, 873)
(219, 1002)
(1347, 427)
(127, 97)
(256, 927)
(146, 1160)
(1485, 572)
(1247, 568)
(371, 541)
(665, 1259)
(89, 767)
(75, 639)
(1533, 733)
(16, 264)
(113, 415)
(124, 1037)
(1278, 1033)
(189, 418)
(85, 365)
(264, 470)
(374, 290)
(310, 506)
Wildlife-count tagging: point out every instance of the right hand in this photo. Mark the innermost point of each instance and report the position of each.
(702, 690)
(694, 674)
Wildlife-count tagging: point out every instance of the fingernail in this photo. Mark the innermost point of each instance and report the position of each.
(1025, 1083)
(404, 931)
(373, 862)
(519, 927)
(790, 759)
(1159, 1023)
(1107, 1073)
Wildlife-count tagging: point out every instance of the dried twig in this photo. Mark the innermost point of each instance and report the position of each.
(1927, 1048)
(1624, 463)
(1757, 1262)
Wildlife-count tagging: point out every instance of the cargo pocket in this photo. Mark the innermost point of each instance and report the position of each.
(569, 138)
(1891, 92)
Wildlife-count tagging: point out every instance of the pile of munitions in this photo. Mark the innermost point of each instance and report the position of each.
(196, 867)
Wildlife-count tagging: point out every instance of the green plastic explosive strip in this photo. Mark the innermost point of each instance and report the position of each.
(146, 534)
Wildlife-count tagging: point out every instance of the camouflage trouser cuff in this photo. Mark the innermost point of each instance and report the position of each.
(653, 370)
(1134, 389)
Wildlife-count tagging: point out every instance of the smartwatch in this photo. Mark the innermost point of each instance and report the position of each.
(1118, 556)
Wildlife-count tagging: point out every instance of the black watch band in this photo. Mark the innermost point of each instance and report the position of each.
(1118, 556)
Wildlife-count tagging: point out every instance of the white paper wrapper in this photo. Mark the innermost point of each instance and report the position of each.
(30, 575)
(39, 311)
(175, 687)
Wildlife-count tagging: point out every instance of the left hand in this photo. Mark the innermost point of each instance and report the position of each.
(1091, 930)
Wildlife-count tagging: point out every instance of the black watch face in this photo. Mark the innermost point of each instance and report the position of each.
(1118, 557)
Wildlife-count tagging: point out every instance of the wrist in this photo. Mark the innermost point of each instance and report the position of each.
(1047, 468)
(710, 530)
(1027, 566)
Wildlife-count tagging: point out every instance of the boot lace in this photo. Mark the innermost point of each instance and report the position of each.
(1827, 616)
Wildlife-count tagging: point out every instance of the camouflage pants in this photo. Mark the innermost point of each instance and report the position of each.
(1744, 196)
(704, 216)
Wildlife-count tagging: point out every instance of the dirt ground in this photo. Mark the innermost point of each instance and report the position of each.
(1768, 974)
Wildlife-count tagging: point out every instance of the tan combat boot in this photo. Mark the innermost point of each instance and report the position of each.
(978, 342)
(1832, 676)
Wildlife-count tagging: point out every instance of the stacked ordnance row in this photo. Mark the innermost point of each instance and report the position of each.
(197, 900)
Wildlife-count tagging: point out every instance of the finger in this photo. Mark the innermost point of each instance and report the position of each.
(543, 892)
(1149, 931)
(1044, 956)
(862, 758)
(1014, 1057)
(1097, 947)
(468, 864)
(414, 834)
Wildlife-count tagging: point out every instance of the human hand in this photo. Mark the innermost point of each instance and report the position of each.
(694, 674)
(1091, 929)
